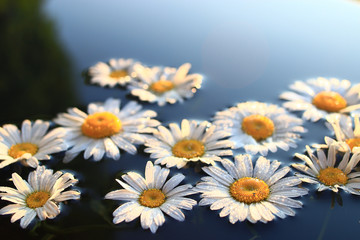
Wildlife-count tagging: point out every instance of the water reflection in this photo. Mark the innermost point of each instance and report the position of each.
(35, 72)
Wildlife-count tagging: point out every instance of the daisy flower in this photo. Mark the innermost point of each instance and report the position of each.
(321, 170)
(149, 197)
(118, 71)
(163, 85)
(259, 127)
(30, 144)
(319, 97)
(347, 136)
(105, 129)
(39, 196)
(191, 142)
(244, 192)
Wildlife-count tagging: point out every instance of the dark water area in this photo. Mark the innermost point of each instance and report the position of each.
(246, 50)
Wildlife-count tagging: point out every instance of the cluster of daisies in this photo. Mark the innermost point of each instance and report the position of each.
(244, 187)
(152, 84)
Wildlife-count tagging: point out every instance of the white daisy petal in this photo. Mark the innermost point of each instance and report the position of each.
(173, 212)
(221, 203)
(52, 210)
(28, 217)
(21, 184)
(277, 175)
(161, 178)
(179, 145)
(12, 208)
(26, 131)
(134, 213)
(261, 168)
(116, 72)
(329, 176)
(172, 183)
(270, 193)
(135, 180)
(157, 85)
(146, 218)
(311, 95)
(116, 129)
(125, 208)
(39, 196)
(111, 149)
(219, 175)
(259, 127)
(18, 214)
(150, 197)
(28, 144)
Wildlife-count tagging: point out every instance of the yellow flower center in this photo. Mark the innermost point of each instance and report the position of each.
(258, 126)
(37, 199)
(249, 190)
(329, 101)
(19, 149)
(353, 142)
(100, 125)
(188, 149)
(118, 74)
(152, 198)
(161, 86)
(331, 176)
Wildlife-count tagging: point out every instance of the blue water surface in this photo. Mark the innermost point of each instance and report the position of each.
(246, 50)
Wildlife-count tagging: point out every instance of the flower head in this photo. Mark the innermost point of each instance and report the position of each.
(244, 192)
(118, 71)
(30, 144)
(39, 196)
(323, 172)
(347, 136)
(149, 197)
(320, 97)
(191, 142)
(259, 127)
(163, 85)
(105, 129)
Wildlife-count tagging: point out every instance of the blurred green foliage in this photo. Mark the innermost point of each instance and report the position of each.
(35, 73)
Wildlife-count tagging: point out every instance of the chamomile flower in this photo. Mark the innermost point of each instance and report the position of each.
(321, 170)
(259, 127)
(118, 71)
(320, 97)
(347, 136)
(149, 197)
(105, 129)
(163, 85)
(244, 192)
(191, 142)
(30, 144)
(39, 196)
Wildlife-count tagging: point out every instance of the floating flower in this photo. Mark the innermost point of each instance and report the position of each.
(118, 71)
(259, 127)
(150, 197)
(319, 97)
(31, 144)
(163, 85)
(105, 129)
(191, 143)
(347, 137)
(244, 192)
(321, 170)
(39, 196)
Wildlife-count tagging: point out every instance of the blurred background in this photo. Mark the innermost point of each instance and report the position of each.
(246, 50)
